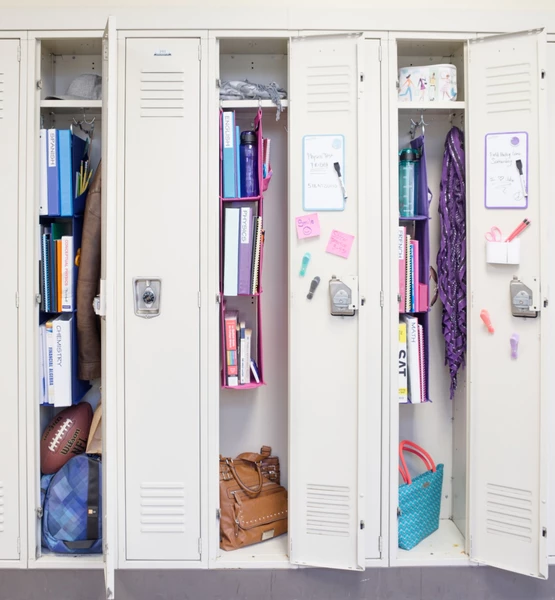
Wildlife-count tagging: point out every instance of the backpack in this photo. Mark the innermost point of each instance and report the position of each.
(72, 507)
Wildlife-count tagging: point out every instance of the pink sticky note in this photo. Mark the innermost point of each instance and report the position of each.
(307, 226)
(340, 243)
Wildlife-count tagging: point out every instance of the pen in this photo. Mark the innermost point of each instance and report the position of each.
(518, 230)
(519, 167)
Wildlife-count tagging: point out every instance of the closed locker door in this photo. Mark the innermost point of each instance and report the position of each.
(162, 120)
(9, 174)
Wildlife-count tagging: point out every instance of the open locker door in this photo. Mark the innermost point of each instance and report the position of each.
(508, 399)
(326, 386)
(107, 301)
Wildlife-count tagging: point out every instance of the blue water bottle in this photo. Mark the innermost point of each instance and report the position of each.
(249, 164)
(408, 181)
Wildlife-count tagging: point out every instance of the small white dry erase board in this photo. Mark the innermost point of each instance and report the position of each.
(321, 185)
(506, 172)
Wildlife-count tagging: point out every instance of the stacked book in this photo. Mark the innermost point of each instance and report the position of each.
(57, 272)
(243, 239)
(56, 358)
(239, 350)
(412, 361)
(65, 171)
(413, 293)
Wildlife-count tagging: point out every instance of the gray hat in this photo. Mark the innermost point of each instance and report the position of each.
(83, 87)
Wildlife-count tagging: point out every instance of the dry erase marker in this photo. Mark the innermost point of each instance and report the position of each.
(338, 171)
(313, 285)
(304, 264)
(522, 184)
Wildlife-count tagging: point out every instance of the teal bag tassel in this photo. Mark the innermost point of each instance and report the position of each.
(419, 499)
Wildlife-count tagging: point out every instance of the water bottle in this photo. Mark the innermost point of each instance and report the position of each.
(408, 181)
(249, 164)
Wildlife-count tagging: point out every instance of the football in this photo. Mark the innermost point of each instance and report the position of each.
(65, 437)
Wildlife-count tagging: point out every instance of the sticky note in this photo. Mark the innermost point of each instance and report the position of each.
(340, 243)
(307, 226)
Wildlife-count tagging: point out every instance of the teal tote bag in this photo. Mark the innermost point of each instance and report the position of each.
(419, 498)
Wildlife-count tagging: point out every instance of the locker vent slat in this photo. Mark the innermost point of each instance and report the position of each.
(329, 88)
(1, 506)
(509, 512)
(328, 510)
(509, 88)
(162, 94)
(162, 507)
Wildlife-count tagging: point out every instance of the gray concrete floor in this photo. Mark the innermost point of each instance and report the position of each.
(305, 584)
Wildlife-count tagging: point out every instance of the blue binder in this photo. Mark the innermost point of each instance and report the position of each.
(65, 172)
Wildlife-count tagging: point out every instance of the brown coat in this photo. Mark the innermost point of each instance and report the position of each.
(88, 281)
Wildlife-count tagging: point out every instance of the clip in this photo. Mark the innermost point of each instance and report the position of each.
(484, 315)
(514, 345)
(304, 264)
(313, 285)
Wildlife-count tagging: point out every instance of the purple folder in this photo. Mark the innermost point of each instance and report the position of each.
(246, 234)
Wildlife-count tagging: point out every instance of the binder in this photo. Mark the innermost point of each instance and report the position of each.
(238, 161)
(256, 256)
(243, 354)
(231, 251)
(52, 174)
(413, 358)
(43, 177)
(229, 155)
(421, 363)
(403, 364)
(402, 256)
(245, 250)
(67, 274)
(50, 362)
(63, 360)
(415, 276)
(65, 172)
(59, 275)
(46, 271)
(408, 271)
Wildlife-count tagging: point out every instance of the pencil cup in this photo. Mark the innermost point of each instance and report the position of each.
(503, 253)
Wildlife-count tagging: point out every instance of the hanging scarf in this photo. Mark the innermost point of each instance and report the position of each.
(451, 258)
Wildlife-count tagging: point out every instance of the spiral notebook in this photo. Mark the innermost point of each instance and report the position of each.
(257, 248)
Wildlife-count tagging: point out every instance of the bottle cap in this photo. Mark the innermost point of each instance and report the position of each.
(248, 137)
(409, 154)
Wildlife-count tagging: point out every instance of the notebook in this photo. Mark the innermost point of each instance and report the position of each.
(231, 251)
(415, 276)
(415, 392)
(421, 363)
(245, 249)
(402, 256)
(408, 270)
(256, 255)
(403, 366)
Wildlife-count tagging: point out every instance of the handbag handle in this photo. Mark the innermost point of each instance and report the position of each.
(253, 492)
(408, 446)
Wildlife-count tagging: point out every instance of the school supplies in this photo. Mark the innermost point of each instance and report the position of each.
(518, 230)
(304, 264)
(313, 285)
(484, 315)
(494, 235)
(522, 182)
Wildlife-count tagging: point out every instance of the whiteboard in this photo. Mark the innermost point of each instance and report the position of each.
(505, 188)
(321, 186)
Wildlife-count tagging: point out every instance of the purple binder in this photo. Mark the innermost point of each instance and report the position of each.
(246, 234)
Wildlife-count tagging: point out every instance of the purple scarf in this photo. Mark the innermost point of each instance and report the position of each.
(451, 258)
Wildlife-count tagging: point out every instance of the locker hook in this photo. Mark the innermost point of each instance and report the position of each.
(422, 124)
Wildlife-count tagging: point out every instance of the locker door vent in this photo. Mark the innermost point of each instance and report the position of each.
(509, 512)
(328, 510)
(329, 88)
(1, 95)
(162, 507)
(509, 88)
(162, 94)
(1, 506)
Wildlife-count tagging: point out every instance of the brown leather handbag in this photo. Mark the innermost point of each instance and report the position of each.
(253, 504)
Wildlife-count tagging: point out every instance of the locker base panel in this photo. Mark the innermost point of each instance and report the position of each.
(13, 564)
(49, 560)
(266, 555)
(550, 560)
(161, 565)
(445, 547)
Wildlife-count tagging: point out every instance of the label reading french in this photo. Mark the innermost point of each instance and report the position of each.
(228, 129)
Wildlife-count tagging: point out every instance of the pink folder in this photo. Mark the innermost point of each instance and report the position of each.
(401, 251)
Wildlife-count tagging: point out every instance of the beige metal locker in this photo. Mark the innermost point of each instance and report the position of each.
(162, 361)
(10, 505)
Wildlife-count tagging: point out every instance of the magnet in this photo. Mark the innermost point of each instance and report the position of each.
(484, 315)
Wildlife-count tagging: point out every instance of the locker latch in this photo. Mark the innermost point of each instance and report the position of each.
(147, 292)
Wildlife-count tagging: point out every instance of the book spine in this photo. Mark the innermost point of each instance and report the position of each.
(413, 359)
(403, 365)
(416, 275)
(62, 361)
(228, 155)
(231, 251)
(50, 362)
(256, 256)
(408, 269)
(52, 175)
(412, 304)
(421, 363)
(231, 349)
(59, 275)
(248, 338)
(65, 172)
(243, 356)
(238, 161)
(43, 173)
(402, 255)
(245, 250)
(67, 273)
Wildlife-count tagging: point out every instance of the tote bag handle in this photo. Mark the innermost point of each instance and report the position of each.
(408, 446)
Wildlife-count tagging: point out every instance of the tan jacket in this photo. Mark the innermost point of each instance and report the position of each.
(88, 281)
